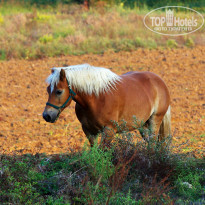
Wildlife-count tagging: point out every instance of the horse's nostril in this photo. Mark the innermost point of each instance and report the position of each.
(47, 117)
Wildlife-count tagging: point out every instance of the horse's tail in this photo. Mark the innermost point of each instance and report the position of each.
(165, 127)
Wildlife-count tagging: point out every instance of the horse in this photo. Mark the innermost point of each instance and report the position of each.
(103, 97)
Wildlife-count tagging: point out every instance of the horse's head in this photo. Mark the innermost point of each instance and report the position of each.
(60, 96)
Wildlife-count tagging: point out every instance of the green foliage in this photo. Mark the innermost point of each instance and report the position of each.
(127, 3)
(44, 17)
(189, 42)
(2, 54)
(98, 161)
(1, 19)
(64, 31)
(159, 3)
(140, 42)
(46, 38)
(189, 186)
(171, 43)
(190, 179)
(129, 172)
(120, 198)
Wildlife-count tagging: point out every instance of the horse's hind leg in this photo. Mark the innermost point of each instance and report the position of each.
(154, 125)
(151, 127)
(144, 130)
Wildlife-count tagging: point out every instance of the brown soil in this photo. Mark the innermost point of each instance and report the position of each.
(23, 97)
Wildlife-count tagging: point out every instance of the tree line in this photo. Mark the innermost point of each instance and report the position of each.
(125, 3)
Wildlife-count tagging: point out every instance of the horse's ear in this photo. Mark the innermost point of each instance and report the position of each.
(62, 74)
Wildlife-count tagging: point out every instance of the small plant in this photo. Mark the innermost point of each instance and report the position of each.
(171, 43)
(189, 181)
(64, 32)
(2, 54)
(1, 19)
(46, 38)
(151, 43)
(98, 162)
(120, 198)
(189, 43)
(139, 42)
(44, 17)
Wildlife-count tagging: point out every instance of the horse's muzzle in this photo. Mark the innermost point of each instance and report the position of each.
(50, 117)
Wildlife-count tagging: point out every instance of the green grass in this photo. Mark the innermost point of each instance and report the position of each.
(28, 32)
(127, 173)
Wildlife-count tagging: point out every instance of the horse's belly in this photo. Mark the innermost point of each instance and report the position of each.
(138, 102)
(136, 112)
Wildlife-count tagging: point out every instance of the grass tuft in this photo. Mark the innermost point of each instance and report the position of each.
(46, 38)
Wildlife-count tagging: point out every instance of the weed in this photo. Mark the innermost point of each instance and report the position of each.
(121, 198)
(1, 19)
(190, 179)
(2, 54)
(46, 38)
(171, 43)
(189, 42)
(151, 43)
(139, 42)
(44, 17)
(99, 162)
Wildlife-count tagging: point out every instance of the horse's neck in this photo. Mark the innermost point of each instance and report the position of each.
(85, 101)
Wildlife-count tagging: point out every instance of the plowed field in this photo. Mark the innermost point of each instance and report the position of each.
(23, 97)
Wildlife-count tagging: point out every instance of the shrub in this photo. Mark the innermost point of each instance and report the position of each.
(98, 161)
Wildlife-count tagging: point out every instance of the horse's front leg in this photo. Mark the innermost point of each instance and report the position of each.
(107, 136)
(90, 137)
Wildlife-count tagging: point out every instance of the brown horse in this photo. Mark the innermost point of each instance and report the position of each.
(102, 97)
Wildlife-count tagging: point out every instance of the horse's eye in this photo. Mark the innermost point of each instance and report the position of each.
(59, 92)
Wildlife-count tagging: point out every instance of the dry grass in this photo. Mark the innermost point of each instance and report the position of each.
(31, 33)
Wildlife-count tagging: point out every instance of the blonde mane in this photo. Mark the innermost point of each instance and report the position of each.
(86, 78)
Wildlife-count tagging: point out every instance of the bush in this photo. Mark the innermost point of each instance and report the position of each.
(190, 179)
(98, 161)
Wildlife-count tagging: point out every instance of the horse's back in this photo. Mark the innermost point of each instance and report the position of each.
(148, 80)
